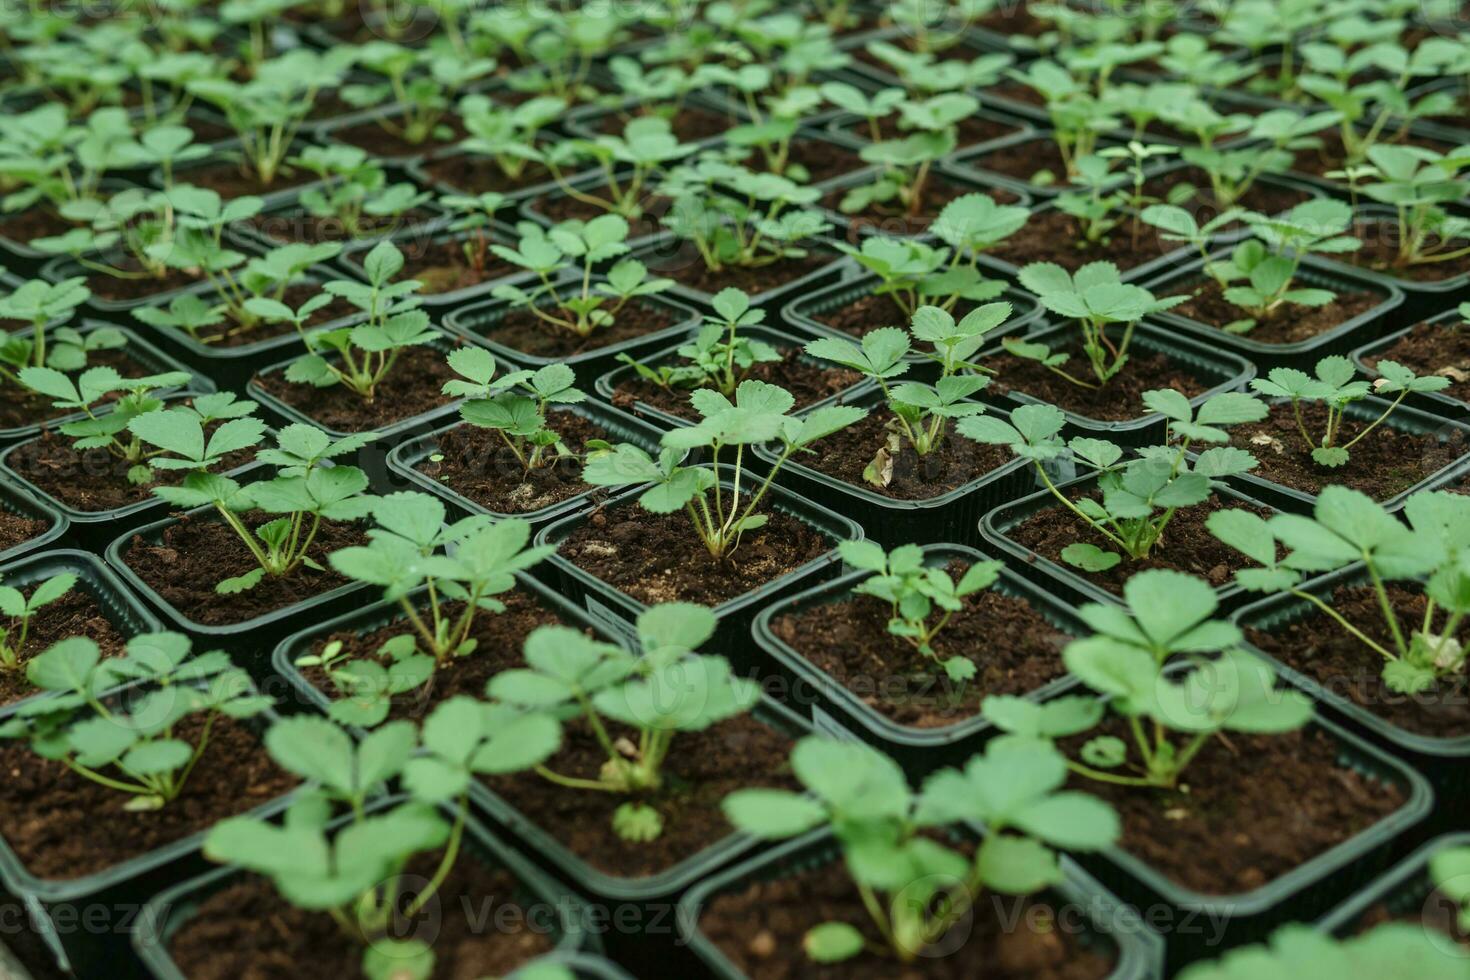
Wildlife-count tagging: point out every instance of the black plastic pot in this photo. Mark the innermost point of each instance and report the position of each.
(1425, 296)
(644, 229)
(228, 152)
(418, 170)
(607, 385)
(1405, 893)
(14, 500)
(406, 458)
(1221, 370)
(86, 921)
(1062, 579)
(149, 357)
(65, 267)
(1431, 401)
(1445, 761)
(667, 255)
(1302, 354)
(248, 639)
(832, 705)
(1405, 419)
(478, 322)
(953, 516)
(1105, 920)
(415, 242)
(1136, 274)
(546, 903)
(734, 615)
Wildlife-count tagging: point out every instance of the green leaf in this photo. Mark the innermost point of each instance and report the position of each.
(832, 942)
(1090, 558)
(772, 814)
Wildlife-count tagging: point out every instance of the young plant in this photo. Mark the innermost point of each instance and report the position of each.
(758, 414)
(1078, 115)
(921, 412)
(514, 404)
(1233, 171)
(915, 885)
(627, 164)
(718, 357)
(307, 490)
(419, 80)
(1419, 185)
(137, 747)
(474, 213)
(1169, 714)
(669, 689)
(922, 598)
(354, 191)
(1095, 211)
(905, 164)
(362, 355)
(1138, 497)
(509, 136)
(576, 304)
(20, 610)
(1349, 527)
(46, 306)
(1333, 387)
(1096, 299)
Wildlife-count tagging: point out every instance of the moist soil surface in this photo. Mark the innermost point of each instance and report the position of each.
(821, 159)
(694, 274)
(690, 124)
(411, 388)
(867, 313)
(1055, 236)
(92, 480)
(298, 226)
(371, 136)
(33, 223)
(479, 174)
(20, 406)
(294, 296)
(501, 637)
(17, 529)
(477, 464)
(1380, 254)
(701, 769)
(443, 267)
(847, 453)
(809, 381)
(1263, 197)
(1287, 324)
(1432, 348)
(74, 614)
(230, 181)
(1386, 463)
(195, 554)
(658, 557)
(246, 931)
(1120, 400)
(1246, 812)
(1187, 544)
(893, 219)
(64, 826)
(524, 331)
(1014, 649)
(1023, 161)
(760, 927)
(1322, 650)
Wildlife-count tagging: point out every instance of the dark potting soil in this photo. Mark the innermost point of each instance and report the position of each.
(479, 174)
(121, 290)
(293, 297)
(206, 130)
(477, 464)
(17, 529)
(869, 312)
(1247, 811)
(1287, 324)
(74, 614)
(64, 826)
(411, 388)
(378, 141)
(1055, 236)
(1013, 647)
(822, 159)
(809, 381)
(1386, 463)
(443, 267)
(1121, 399)
(1322, 650)
(1380, 253)
(229, 179)
(690, 124)
(970, 131)
(957, 461)
(1331, 155)
(658, 557)
(701, 769)
(91, 480)
(895, 219)
(1186, 546)
(298, 226)
(20, 406)
(1263, 197)
(760, 927)
(501, 637)
(33, 223)
(524, 331)
(1023, 161)
(696, 275)
(195, 554)
(1432, 348)
(246, 931)
(559, 206)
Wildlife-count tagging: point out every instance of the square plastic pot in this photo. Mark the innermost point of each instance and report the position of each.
(833, 706)
(540, 897)
(1301, 354)
(1107, 921)
(418, 171)
(734, 615)
(1425, 296)
(1445, 761)
(15, 500)
(1061, 579)
(1404, 892)
(1430, 401)
(1219, 370)
(607, 385)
